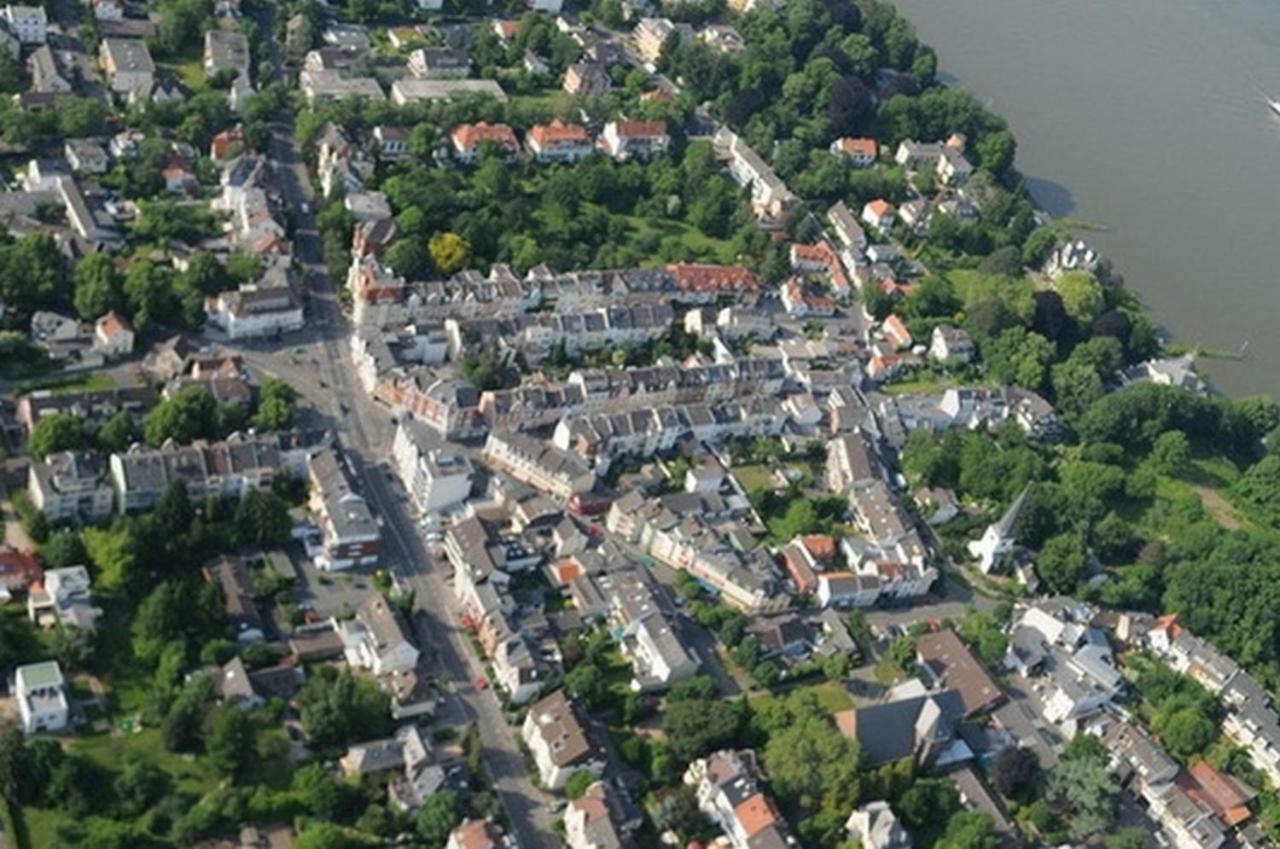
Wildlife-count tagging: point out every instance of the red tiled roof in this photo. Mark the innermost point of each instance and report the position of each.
(821, 546)
(713, 278)
(1221, 793)
(111, 324)
(641, 129)
(880, 208)
(863, 147)
(19, 569)
(557, 132)
(467, 136)
(755, 814)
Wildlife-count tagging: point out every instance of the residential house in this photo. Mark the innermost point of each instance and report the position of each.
(47, 76)
(392, 142)
(350, 534)
(231, 575)
(560, 741)
(875, 826)
(64, 599)
(879, 214)
(950, 345)
(895, 332)
(539, 464)
(847, 589)
(846, 227)
(947, 664)
(377, 639)
(19, 570)
(70, 486)
(600, 819)
(467, 140)
(226, 50)
(329, 85)
(587, 79)
(635, 139)
(29, 23)
(439, 63)
(477, 834)
(113, 336)
(41, 693)
(652, 34)
(84, 155)
(647, 633)
(559, 142)
(729, 790)
(94, 406)
(129, 68)
(858, 152)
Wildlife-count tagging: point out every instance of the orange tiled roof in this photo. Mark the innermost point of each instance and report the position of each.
(755, 814)
(467, 136)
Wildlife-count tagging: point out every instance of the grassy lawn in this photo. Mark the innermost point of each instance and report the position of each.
(692, 240)
(62, 385)
(110, 751)
(832, 696)
(42, 825)
(755, 476)
(1205, 478)
(551, 100)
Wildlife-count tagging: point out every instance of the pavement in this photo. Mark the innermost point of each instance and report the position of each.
(316, 362)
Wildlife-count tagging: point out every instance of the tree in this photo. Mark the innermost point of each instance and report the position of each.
(337, 708)
(996, 151)
(1171, 451)
(449, 252)
(149, 295)
(1062, 563)
(140, 785)
(1080, 788)
(231, 742)
(812, 764)
(697, 726)
(319, 791)
(32, 276)
(323, 835)
(1129, 838)
(408, 258)
(1082, 295)
(1189, 732)
(439, 816)
(969, 830)
(276, 403)
(1015, 772)
(579, 783)
(585, 681)
(63, 549)
(262, 519)
(190, 414)
(97, 286)
(119, 432)
(57, 432)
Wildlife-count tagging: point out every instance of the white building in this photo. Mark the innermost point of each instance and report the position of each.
(64, 600)
(434, 477)
(559, 741)
(113, 336)
(376, 640)
(29, 23)
(999, 539)
(42, 698)
(253, 311)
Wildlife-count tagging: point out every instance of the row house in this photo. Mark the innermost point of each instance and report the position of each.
(93, 406)
(449, 407)
(770, 198)
(1251, 719)
(232, 468)
(71, 486)
(601, 438)
(548, 468)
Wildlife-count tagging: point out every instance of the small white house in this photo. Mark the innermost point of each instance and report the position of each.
(42, 699)
(113, 336)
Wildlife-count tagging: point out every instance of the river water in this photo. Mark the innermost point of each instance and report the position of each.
(1146, 117)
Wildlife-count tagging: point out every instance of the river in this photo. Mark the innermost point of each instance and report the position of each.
(1146, 117)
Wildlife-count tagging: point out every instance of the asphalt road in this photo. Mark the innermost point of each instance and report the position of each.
(317, 363)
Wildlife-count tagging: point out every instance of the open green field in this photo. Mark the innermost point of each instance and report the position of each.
(833, 696)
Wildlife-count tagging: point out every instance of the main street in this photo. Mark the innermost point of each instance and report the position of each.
(317, 363)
